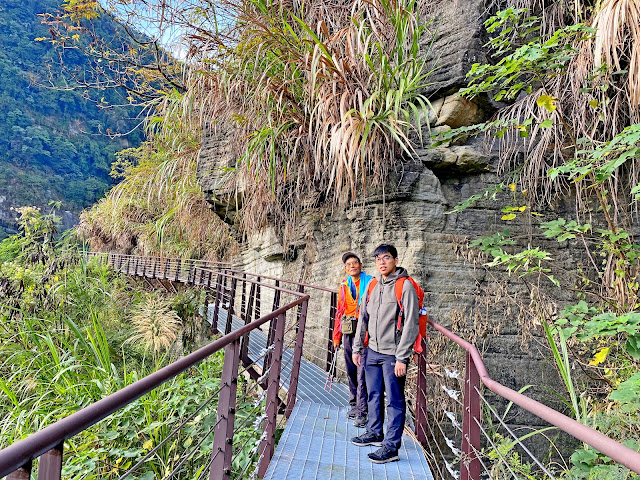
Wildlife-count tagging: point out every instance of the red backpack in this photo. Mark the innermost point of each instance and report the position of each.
(423, 320)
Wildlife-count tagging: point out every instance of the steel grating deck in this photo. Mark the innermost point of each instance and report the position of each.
(316, 443)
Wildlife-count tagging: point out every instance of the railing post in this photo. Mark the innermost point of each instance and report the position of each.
(297, 357)
(191, 272)
(50, 465)
(155, 267)
(268, 441)
(421, 397)
(244, 345)
(257, 312)
(332, 315)
(232, 301)
(272, 328)
(135, 271)
(178, 266)
(276, 297)
(216, 305)
(243, 300)
(223, 435)
(470, 467)
(23, 473)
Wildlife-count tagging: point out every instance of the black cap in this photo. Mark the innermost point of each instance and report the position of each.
(346, 256)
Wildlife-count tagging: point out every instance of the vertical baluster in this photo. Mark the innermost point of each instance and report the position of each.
(297, 356)
(258, 295)
(216, 306)
(178, 266)
(469, 464)
(223, 434)
(232, 301)
(276, 297)
(244, 346)
(267, 444)
(243, 300)
(190, 272)
(421, 396)
(272, 327)
(332, 316)
(50, 465)
(155, 267)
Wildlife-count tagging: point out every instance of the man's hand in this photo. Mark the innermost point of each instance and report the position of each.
(336, 345)
(357, 359)
(401, 369)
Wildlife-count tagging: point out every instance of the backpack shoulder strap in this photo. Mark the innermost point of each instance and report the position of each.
(398, 289)
(372, 283)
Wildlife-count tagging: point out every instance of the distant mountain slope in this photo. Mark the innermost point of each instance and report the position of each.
(52, 142)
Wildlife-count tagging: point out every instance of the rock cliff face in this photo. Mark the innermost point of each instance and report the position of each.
(460, 293)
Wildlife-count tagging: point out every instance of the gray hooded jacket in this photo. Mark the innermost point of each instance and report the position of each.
(382, 313)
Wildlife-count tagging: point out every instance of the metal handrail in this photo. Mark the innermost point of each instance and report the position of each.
(20, 453)
(125, 255)
(49, 441)
(476, 372)
(237, 277)
(615, 450)
(291, 282)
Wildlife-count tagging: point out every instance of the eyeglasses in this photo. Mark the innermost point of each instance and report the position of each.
(352, 264)
(384, 259)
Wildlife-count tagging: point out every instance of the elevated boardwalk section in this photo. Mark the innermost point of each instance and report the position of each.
(316, 444)
(266, 335)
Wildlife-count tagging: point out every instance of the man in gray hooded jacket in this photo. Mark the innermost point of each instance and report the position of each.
(387, 355)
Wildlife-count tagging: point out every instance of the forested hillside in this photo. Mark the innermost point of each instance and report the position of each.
(54, 144)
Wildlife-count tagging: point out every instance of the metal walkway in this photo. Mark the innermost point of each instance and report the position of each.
(316, 443)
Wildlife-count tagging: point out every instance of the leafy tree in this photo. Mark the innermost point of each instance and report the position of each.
(52, 135)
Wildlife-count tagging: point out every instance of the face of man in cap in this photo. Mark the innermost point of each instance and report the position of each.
(353, 266)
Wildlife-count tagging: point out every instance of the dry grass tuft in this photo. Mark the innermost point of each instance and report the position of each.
(156, 325)
(320, 97)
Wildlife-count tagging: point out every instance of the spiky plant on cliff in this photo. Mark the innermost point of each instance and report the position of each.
(321, 98)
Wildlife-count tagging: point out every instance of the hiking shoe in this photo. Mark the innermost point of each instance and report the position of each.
(367, 439)
(353, 413)
(360, 421)
(384, 455)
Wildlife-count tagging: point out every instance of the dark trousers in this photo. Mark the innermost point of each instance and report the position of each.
(357, 384)
(381, 378)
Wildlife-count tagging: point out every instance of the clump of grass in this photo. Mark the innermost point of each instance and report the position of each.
(155, 324)
(318, 99)
(159, 208)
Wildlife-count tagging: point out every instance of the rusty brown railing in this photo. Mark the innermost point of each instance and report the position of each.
(319, 337)
(245, 296)
(286, 320)
(471, 426)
